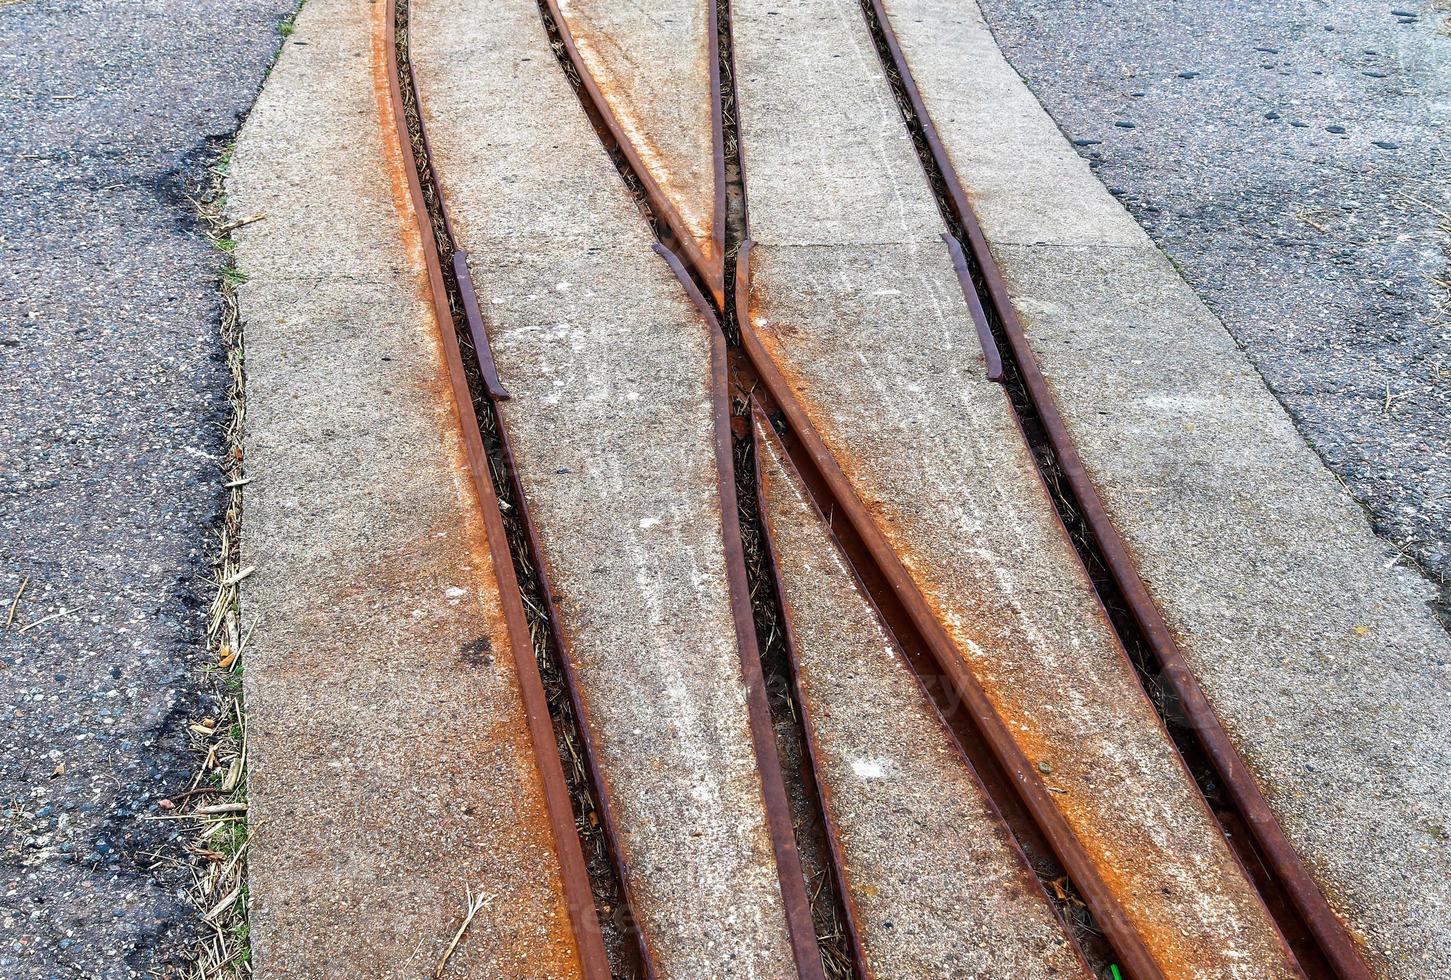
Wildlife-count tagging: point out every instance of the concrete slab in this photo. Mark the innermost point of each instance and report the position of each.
(392, 772)
(854, 298)
(653, 64)
(613, 427)
(1289, 158)
(938, 886)
(1317, 650)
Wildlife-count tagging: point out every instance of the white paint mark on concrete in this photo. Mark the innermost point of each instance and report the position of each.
(869, 768)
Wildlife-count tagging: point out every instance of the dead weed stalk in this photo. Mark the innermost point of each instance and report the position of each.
(216, 802)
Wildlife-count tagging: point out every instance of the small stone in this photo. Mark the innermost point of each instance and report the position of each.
(1298, 124)
(1385, 144)
(1086, 142)
(1188, 74)
(1337, 129)
(1045, 768)
(1125, 124)
(1272, 115)
(1269, 50)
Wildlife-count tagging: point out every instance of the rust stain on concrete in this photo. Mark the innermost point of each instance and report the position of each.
(653, 66)
(407, 223)
(1041, 649)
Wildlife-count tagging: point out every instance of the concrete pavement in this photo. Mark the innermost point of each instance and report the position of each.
(393, 785)
(1315, 646)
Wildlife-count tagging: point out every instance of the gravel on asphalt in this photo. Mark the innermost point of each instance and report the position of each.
(112, 384)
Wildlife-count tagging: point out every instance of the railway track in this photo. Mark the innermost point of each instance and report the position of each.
(477, 390)
(1150, 853)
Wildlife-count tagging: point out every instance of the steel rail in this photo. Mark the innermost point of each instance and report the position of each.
(1007, 755)
(751, 368)
(689, 265)
(851, 917)
(712, 274)
(1033, 793)
(1020, 771)
(1320, 921)
(884, 599)
(579, 895)
(818, 501)
(992, 357)
(792, 879)
(1012, 766)
(1109, 913)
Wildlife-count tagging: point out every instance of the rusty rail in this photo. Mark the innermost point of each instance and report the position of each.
(698, 277)
(744, 372)
(967, 742)
(823, 475)
(773, 788)
(1014, 789)
(990, 351)
(884, 600)
(809, 453)
(780, 657)
(1318, 922)
(579, 895)
(675, 235)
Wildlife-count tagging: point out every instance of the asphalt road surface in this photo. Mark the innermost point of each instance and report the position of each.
(111, 394)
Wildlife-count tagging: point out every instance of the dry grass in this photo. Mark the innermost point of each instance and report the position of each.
(216, 803)
(1444, 226)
